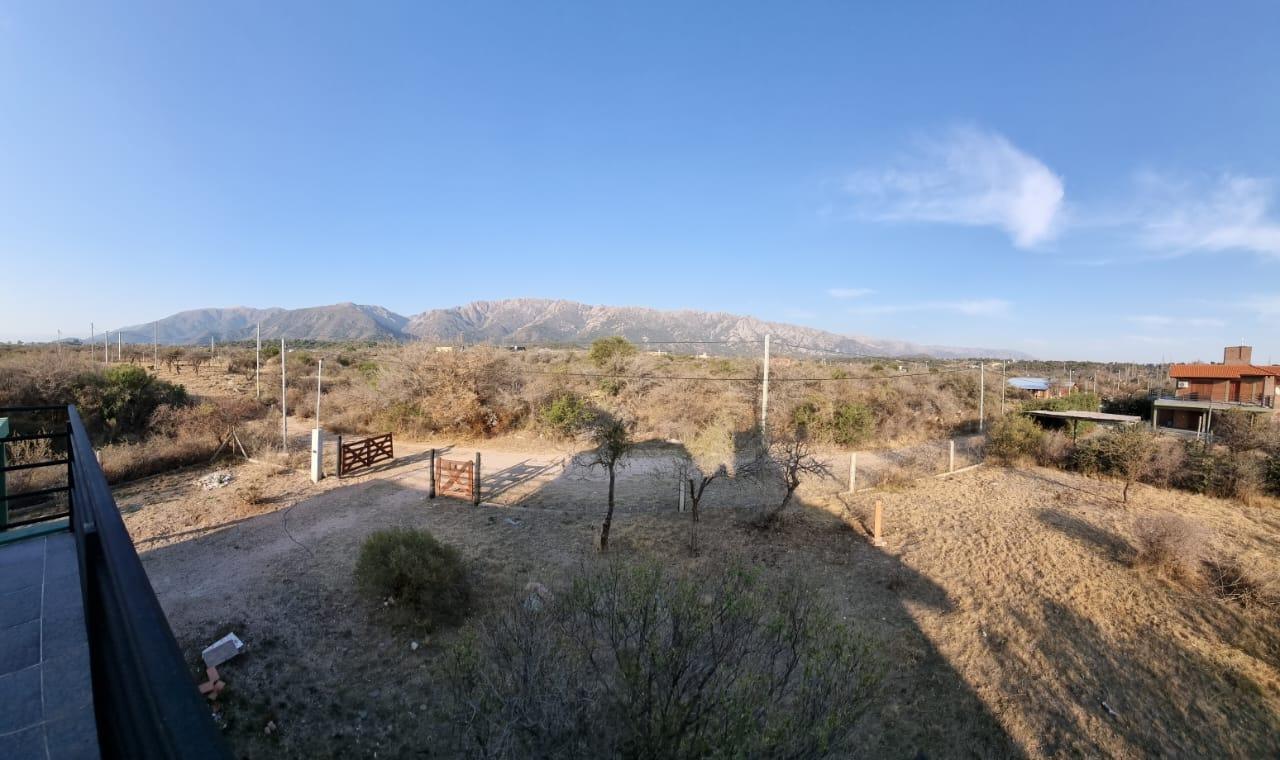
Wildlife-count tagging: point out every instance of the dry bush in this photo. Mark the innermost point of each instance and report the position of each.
(1228, 579)
(630, 661)
(251, 494)
(1169, 544)
(36, 478)
(1055, 449)
(1168, 457)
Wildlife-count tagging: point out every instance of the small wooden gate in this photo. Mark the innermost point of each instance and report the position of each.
(358, 455)
(455, 477)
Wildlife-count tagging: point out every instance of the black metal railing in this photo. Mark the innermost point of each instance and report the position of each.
(144, 695)
(33, 506)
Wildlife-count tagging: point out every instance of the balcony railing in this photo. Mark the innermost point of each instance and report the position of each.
(144, 695)
(1256, 400)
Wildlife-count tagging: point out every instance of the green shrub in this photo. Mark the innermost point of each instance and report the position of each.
(564, 414)
(420, 581)
(1014, 438)
(128, 395)
(635, 662)
(851, 423)
(608, 353)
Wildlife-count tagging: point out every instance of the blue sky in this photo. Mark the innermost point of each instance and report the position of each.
(1073, 180)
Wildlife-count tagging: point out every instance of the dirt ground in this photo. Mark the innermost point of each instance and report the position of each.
(1004, 603)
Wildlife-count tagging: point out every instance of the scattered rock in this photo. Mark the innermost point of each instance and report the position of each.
(514, 521)
(216, 479)
(413, 645)
(270, 729)
(536, 596)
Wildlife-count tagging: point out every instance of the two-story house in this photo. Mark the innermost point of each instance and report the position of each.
(1201, 389)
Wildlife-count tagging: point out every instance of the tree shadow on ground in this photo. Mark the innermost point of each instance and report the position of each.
(326, 664)
(1114, 547)
(1116, 695)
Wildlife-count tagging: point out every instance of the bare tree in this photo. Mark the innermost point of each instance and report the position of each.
(789, 458)
(708, 456)
(611, 442)
(173, 360)
(196, 359)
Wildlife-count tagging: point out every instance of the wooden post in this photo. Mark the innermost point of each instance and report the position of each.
(877, 539)
(680, 488)
(475, 483)
(853, 471)
(951, 455)
(431, 490)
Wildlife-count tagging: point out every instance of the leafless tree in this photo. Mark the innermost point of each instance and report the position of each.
(708, 455)
(611, 441)
(789, 458)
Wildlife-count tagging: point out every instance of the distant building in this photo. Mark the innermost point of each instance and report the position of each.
(1042, 387)
(1200, 389)
(444, 349)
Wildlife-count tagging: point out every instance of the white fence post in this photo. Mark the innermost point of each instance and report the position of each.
(853, 471)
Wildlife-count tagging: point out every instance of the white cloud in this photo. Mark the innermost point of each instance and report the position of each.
(1178, 216)
(1160, 320)
(966, 176)
(849, 292)
(973, 308)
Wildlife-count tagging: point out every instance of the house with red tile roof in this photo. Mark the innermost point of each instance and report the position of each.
(1201, 389)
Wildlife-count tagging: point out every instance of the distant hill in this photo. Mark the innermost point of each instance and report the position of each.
(535, 320)
(531, 320)
(343, 321)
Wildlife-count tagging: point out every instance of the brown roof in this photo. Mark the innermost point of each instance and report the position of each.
(1221, 371)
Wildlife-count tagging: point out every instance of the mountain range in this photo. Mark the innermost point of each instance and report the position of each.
(530, 321)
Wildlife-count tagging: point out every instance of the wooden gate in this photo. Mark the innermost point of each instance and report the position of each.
(455, 477)
(358, 455)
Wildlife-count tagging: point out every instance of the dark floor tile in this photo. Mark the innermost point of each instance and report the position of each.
(62, 593)
(19, 646)
(68, 685)
(27, 744)
(64, 633)
(74, 737)
(19, 700)
(19, 606)
(22, 552)
(21, 575)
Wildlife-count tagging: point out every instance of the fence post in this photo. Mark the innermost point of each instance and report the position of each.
(339, 453)
(476, 482)
(431, 491)
(951, 456)
(853, 471)
(877, 539)
(680, 488)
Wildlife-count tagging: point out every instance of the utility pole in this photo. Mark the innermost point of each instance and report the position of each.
(106, 348)
(59, 343)
(119, 347)
(155, 346)
(982, 396)
(319, 372)
(257, 363)
(764, 395)
(284, 404)
(1004, 382)
(91, 340)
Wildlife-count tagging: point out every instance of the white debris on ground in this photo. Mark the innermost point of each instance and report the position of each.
(216, 479)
